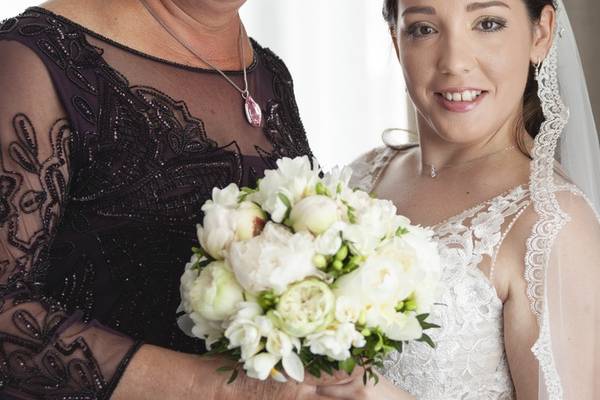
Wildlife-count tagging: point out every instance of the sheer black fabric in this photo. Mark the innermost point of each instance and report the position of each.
(106, 157)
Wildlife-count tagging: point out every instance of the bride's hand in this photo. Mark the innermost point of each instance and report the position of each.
(356, 390)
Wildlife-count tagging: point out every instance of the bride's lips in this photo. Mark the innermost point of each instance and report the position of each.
(459, 106)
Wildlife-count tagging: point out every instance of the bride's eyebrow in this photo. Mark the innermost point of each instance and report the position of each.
(480, 5)
(419, 10)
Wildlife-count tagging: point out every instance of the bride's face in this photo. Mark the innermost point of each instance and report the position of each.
(466, 63)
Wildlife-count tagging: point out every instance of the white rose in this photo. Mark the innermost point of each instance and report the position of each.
(215, 294)
(335, 342)
(273, 260)
(261, 366)
(305, 308)
(314, 214)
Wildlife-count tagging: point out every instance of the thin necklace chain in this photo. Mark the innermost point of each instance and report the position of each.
(244, 92)
(434, 171)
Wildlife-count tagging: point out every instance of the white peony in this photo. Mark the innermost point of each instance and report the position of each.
(223, 223)
(348, 309)
(428, 260)
(386, 277)
(215, 293)
(249, 220)
(273, 260)
(217, 230)
(336, 341)
(293, 178)
(375, 222)
(395, 325)
(305, 307)
(314, 214)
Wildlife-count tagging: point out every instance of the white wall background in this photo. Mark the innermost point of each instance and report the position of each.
(348, 83)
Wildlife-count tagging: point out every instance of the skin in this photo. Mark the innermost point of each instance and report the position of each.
(446, 45)
(211, 27)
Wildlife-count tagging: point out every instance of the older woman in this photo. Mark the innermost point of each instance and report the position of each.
(117, 118)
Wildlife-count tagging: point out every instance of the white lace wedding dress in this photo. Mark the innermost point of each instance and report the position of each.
(469, 361)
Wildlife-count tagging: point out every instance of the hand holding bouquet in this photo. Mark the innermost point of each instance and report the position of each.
(305, 274)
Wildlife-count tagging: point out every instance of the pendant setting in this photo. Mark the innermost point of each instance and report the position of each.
(253, 112)
(433, 172)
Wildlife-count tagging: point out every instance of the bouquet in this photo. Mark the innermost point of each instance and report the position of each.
(303, 273)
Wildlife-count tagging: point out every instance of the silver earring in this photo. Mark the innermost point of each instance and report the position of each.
(537, 69)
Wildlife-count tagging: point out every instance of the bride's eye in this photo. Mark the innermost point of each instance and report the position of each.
(490, 24)
(420, 30)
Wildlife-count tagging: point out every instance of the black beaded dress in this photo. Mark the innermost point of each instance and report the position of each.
(107, 155)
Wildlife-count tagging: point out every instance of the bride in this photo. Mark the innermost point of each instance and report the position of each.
(519, 312)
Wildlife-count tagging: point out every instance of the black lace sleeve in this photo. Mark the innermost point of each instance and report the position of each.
(45, 353)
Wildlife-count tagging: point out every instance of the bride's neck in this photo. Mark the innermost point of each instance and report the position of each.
(436, 151)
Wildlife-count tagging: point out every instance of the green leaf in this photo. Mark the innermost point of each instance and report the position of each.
(422, 317)
(233, 376)
(347, 365)
(225, 369)
(401, 231)
(425, 338)
(284, 199)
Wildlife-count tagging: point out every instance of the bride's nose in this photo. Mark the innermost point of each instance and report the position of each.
(456, 56)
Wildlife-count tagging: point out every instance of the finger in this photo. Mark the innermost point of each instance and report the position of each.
(345, 391)
(338, 378)
(307, 392)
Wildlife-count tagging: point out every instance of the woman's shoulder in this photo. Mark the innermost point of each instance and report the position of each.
(53, 39)
(272, 62)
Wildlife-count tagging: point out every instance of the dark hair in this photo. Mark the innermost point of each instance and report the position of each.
(532, 110)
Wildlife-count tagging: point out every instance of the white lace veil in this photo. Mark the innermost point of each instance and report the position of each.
(562, 263)
(579, 147)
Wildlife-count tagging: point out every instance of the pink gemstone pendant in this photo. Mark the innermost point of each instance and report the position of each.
(253, 112)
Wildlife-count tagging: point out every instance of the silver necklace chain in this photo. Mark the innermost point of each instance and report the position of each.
(244, 92)
(434, 171)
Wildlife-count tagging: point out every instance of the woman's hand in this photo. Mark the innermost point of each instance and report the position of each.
(156, 373)
(356, 390)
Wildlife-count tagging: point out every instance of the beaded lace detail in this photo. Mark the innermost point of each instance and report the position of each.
(469, 361)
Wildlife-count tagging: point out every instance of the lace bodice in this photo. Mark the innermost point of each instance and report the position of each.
(106, 157)
(469, 361)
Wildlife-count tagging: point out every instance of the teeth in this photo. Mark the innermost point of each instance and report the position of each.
(467, 95)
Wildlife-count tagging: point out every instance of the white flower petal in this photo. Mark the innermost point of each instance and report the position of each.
(261, 365)
(292, 365)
